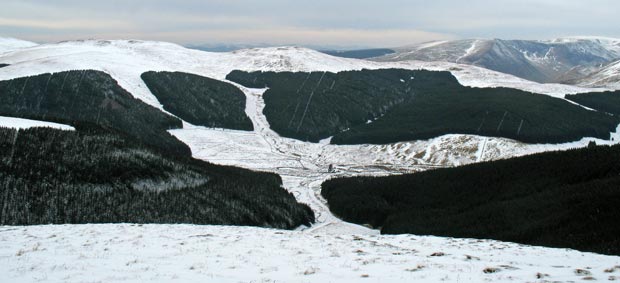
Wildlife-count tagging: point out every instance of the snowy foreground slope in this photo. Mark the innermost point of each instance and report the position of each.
(330, 250)
(186, 253)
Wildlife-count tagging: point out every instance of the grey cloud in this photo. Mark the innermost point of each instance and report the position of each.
(251, 21)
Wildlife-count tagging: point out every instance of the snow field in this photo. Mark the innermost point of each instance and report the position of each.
(187, 253)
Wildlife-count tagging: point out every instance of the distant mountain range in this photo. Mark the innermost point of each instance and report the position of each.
(565, 60)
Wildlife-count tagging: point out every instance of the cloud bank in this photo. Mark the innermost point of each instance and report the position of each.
(319, 22)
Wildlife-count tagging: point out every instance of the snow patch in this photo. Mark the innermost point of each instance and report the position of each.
(326, 140)
(470, 51)
(19, 123)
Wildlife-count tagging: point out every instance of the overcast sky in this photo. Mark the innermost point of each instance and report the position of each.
(375, 23)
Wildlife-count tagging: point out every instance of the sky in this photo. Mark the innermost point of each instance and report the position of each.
(336, 23)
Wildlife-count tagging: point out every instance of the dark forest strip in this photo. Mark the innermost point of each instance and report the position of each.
(559, 199)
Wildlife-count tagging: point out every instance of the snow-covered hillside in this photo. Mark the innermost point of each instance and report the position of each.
(608, 77)
(609, 44)
(331, 250)
(12, 44)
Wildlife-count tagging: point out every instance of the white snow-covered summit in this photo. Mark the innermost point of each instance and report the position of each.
(11, 44)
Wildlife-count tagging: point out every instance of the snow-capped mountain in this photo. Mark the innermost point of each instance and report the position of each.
(555, 60)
